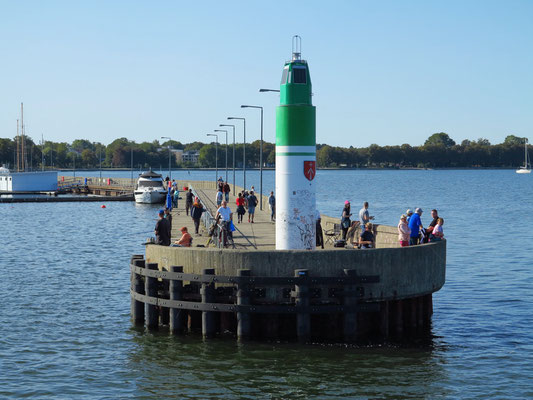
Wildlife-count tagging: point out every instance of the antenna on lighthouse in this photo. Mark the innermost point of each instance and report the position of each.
(296, 48)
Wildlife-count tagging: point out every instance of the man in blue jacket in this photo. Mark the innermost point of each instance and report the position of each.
(415, 224)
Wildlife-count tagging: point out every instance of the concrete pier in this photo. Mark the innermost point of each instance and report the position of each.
(255, 291)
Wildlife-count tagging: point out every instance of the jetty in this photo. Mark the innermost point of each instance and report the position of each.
(253, 291)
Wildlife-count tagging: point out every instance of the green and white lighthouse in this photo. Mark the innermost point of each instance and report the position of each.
(295, 156)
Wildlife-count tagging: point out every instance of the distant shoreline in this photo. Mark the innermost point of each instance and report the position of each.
(320, 169)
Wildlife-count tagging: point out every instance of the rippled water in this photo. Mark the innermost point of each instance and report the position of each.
(64, 303)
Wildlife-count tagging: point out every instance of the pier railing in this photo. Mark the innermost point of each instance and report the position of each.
(208, 220)
(166, 297)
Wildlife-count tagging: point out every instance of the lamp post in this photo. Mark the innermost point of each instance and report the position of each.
(216, 154)
(169, 169)
(260, 157)
(233, 126)
(226, 132)
(243, 151)
(100, 157)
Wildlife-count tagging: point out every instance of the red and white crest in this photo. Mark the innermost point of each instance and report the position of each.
(310, 169)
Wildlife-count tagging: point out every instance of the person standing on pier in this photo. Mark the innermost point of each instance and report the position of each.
(364, 215)
(168, 217)
(272, 206)
(162, 231)
(415, 224)
(252, 203)
(220, 197)
(240, 208)
(403, 231)
(319, 232)
(227, 189)
(345, 219)
(189, 197)
(196, 213)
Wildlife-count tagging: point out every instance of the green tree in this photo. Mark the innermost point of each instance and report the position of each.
(440, 138)
(513, 140)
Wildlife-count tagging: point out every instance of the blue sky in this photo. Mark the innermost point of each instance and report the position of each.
(382, 72)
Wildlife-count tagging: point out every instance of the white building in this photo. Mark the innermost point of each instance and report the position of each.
(27, 181)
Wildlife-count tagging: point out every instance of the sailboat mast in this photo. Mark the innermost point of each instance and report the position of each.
(525, 154)
(18, 148)
(23, 161)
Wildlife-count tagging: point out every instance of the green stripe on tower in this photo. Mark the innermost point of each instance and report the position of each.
(295, 125)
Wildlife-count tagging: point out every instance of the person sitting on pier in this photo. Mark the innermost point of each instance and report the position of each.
(196, 213)
(240, 208)
(437, 233)
(186, 238)
(162, 231)
(415, 224)
(224, 216)
(403, 231)
(366, 240)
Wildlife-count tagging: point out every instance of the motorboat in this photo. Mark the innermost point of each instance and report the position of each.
(150, 188)
(526, 169)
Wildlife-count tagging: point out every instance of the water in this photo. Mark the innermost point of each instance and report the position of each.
(64, 303)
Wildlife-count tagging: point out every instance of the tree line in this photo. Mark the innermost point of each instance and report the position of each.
(438, 151)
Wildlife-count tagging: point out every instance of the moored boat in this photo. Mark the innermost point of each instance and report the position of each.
(150, 188)
(526, 169)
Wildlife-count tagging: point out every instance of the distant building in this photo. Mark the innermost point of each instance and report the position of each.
(27, 181)
(191, 156)
(178, 155)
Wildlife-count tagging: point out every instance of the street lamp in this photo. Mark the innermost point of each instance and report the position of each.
(169, 169)
(216, 154)
(260, 157)
(226, 132)
(233, 126)
(243, 151)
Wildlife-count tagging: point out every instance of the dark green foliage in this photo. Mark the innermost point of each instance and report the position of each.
(438, 151)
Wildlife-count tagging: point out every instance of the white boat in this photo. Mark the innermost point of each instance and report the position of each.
(526, 169)
(150, 188)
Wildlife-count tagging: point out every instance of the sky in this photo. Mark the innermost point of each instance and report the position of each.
(384, 72)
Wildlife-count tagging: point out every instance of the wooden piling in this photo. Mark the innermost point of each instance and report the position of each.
(420, 311)
(137, 286)
(303, 321)
(243, 298)
(151, 316)
(207, 293)
(384, 320)
(411, 314)
(350, 318)
(428, 309)
(176, 293)
(398, 317)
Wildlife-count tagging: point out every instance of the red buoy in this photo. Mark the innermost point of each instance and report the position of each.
(103, 205)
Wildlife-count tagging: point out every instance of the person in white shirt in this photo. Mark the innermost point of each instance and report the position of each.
(224, 213)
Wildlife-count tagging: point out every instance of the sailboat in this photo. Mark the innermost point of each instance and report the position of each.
(526, 169)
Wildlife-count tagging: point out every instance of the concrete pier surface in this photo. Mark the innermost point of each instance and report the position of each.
(260, 235)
